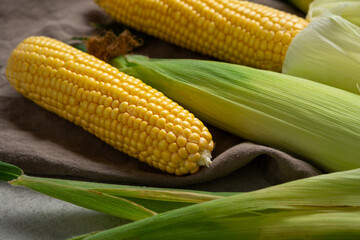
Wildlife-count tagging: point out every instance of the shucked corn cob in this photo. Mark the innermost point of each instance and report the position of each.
(235, 31)
(119, 109)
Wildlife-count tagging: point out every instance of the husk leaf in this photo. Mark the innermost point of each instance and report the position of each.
(90, 199)
(9, 172)
(348, 9)
(321, 207)
(327, 51)
(156, 199)
(153, 199)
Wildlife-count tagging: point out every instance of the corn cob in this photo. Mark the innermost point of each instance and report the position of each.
(119, 109)
(235, 31)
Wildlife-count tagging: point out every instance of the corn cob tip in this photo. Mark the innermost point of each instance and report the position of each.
(205, 159)
(119, 109)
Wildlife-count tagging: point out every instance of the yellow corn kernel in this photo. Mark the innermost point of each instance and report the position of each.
(232, 32)
(194, 137)
(162, 134)
(192, 147)
(176, 159)
(173, 147)
(166, 156)
(119, 109)
(181, 141)
(177, 130)
(190, 165)
(182, 152)
(194, 157)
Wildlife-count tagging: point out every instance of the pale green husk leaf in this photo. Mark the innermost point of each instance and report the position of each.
(321, 207)
(305, 118)
(327, 51)
(348, 9)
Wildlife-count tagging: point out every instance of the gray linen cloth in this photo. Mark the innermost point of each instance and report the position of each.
(43, 144)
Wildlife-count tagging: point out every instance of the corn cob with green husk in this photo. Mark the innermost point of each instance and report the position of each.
(235, 31)
(321, 207)
(119, 109)
(319, 123)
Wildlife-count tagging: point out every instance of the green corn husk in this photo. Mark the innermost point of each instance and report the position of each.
(129, 202)
(327, 51)
(317, 122)
(321, 207)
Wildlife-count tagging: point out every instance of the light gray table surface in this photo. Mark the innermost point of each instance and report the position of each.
(27, 215)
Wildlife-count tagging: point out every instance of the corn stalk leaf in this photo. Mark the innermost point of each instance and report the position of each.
(90, 199)
(315, 224)
(321, 207)
(9, 172)
(156, 199)
(162, 194)
(81, 237)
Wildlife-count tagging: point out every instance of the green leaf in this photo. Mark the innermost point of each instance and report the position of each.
(90, 199)
(161, 194)
(156, 199)
(302, 224)
(9, 172)
(81, 237)
(321, 207)
(141, 198)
